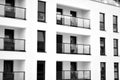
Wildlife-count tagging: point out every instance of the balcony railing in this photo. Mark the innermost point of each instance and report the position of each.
(17, 75)
(12, 12)
(73, 21)
(68, 48)
(7, 44)
(74, 75)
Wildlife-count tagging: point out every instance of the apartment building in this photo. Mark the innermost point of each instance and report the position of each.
(59, 39)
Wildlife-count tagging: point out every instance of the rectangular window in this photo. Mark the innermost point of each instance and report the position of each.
(40, 70)
(41, 41)
(59, 16)
(102, 21)
(103, 70)
(102, 46)
(41, 11)
(59, 43)
(115, 25)
(59, 68)
(115, 47)
(116, 71)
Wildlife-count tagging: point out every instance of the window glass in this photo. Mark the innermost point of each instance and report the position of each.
(116, 71)
(101, 17)
(41, 6)
(41, 36)
(114, 19)
(41, 11)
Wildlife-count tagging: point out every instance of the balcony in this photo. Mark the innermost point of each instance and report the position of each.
(8, 44)
(74, 75)
(16, 75)
(73, 21)
(67, 48)
(12, 12)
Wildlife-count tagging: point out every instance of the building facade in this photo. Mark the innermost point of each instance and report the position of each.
(59, 39)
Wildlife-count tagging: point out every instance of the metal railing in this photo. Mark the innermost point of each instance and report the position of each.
(17, 75)
(12, 12)
(74, 75)
(68, 48)
(7, 44)
(73, 21)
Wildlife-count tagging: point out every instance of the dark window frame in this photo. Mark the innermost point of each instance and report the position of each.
(115, 47)
(102, 47)
(59, 21)
(103, 71)
(115, 24)
(116, 71)
(42, 12)
(44, 35)
(102, 22)
(44, 64)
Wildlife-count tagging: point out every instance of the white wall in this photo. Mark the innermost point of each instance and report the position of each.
(20, 3)
(80, 12)
(81, 39)
(2, 1)
(19, 65)
(83, 66)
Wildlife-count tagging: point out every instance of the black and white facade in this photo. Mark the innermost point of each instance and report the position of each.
(59, 39)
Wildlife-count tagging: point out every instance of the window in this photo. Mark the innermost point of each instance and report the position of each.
(59, 16)
(102, 46)
(40, 70)
(9, 9)
(41, 41)
(115, 47)
(41, 11)
(59, 43)
(102, 21)
(73, 19)
(115, 25)
(103, 70)
(59, 68)
(116, 71)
